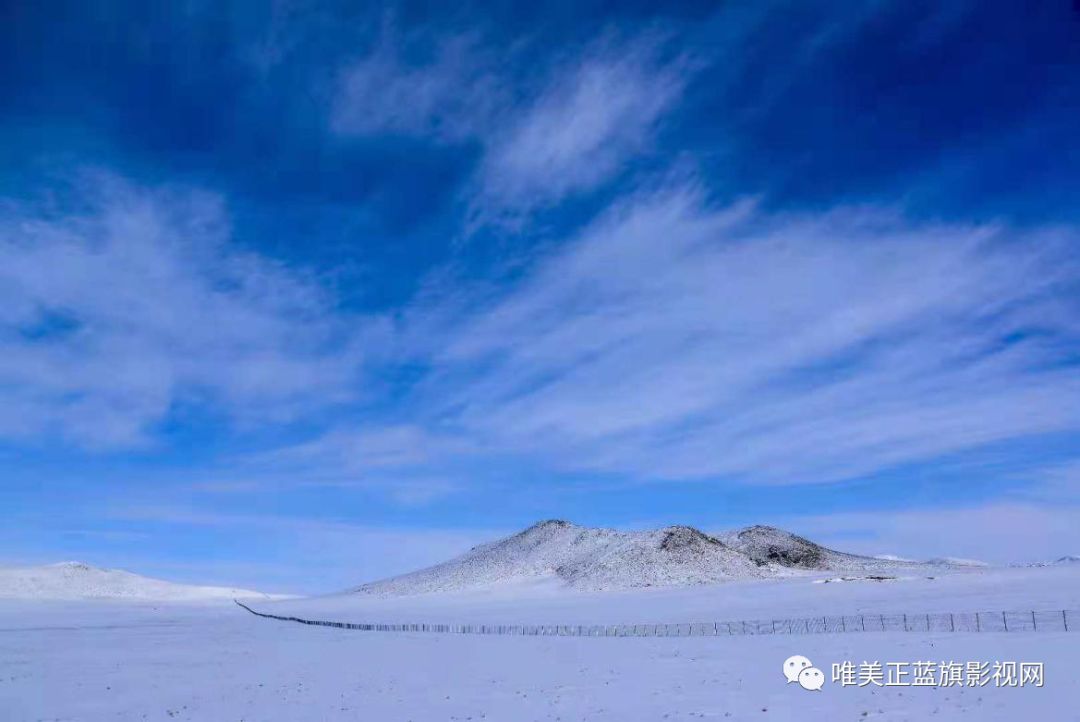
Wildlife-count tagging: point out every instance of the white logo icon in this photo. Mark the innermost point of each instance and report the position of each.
(800, 669)
(794, 665)
(811, 678)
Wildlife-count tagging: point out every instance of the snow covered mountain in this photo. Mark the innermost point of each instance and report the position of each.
(74, 580)
(600, 559)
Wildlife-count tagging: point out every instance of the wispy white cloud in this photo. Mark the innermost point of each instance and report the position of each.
(450, 93)
(128, 303)
(674, 340)
(669, 339)
(586, 117)
(596, 113)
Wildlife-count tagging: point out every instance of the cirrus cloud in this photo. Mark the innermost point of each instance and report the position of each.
(672, 339)
(125, 303)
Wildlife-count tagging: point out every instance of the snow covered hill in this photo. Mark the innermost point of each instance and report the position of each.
(600, 559)
(767, 545)
(1067, 560)
(957, 562)
(74, 580)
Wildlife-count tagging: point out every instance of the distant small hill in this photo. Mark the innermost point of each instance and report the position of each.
(75, 580)
(1060, 561)
(601, 559)
(957, 562)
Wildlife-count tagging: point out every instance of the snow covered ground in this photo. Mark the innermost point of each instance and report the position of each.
(126, 661)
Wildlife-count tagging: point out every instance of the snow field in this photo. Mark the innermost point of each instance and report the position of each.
(214, 664)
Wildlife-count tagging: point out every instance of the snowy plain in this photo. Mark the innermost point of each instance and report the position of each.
(98, 660)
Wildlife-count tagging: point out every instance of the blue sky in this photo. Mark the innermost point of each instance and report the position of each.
(294, 295)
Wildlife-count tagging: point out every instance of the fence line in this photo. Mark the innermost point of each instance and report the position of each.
(1062, 620)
